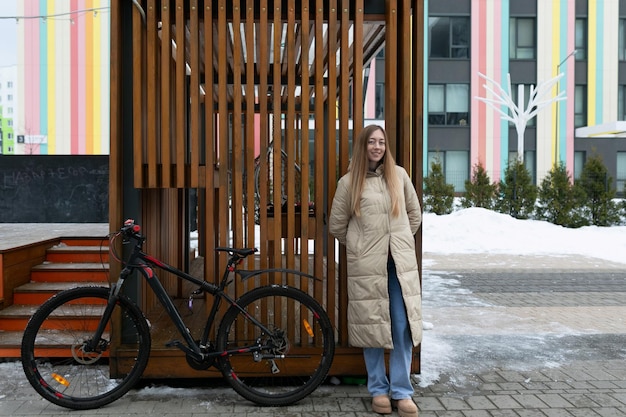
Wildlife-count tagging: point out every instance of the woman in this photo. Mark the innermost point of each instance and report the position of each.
(375, 214)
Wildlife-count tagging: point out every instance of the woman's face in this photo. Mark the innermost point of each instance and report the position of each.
(375, 148)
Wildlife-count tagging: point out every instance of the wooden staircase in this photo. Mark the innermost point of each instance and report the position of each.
(69, 264)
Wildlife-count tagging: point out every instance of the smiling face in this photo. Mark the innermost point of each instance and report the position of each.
(376, 147)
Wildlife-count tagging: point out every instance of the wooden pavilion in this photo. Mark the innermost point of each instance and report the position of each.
(241, 114)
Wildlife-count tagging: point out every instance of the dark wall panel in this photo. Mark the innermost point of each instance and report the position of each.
(54, 189)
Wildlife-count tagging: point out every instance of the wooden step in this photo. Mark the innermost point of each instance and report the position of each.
(70, 272)
(78, 254)
(11, 346)
(15, 317)
(37, 293)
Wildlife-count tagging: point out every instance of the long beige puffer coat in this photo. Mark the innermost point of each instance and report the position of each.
(369, 239)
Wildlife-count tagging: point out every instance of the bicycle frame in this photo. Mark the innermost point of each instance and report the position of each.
(144, 263)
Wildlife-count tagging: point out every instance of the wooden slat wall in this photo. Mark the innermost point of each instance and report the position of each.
(221, 87)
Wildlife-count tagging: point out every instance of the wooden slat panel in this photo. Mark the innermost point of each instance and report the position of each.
(151, 92)
(193, 151)
(179, 91)
(330, 174)
(304, 144)
(222, 132)
(237, 136)
(290, 136)
(208, 194)
(391, 74)
(264, 40)
(318, 268)
(276, 159)
(250, 130)
(166, 96)
(139, 115)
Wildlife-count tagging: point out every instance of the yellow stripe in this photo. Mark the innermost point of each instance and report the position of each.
(556, 56)
(592, 63)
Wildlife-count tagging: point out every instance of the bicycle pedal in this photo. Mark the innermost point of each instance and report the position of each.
(173, 343)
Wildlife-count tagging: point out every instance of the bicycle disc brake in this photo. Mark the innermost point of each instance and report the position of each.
(83, 357)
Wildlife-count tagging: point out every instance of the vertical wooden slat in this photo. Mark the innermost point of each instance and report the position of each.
(181, 102)
(344, 152)
(166, 98)
(151, 90)
(304, 137)
(333, 15)
(222, 127)
(237, 139)
(404, 85)
(116, 151)
(357, 60)
(139, 114)
(290, 149)
(263, 54)
(250, 131)
(417, 114)
(276, 134)
(210, 266)
(391, 73)
(194, 93)
(319, 146)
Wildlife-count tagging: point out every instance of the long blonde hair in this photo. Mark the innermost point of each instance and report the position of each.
(359, 166)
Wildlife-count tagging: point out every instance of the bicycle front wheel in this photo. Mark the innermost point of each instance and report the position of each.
(288, 358)
(58, 362)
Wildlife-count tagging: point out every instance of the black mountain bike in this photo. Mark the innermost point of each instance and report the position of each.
(274, 344)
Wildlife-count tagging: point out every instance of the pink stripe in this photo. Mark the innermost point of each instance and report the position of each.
(370, 103)
(31, 70)
(74, 71)
(80, 86)
(478, 63)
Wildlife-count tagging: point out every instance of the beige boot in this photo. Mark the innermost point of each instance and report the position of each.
(381, 404)
(406, 407)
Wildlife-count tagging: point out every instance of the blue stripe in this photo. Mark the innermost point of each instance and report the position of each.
(504, 124)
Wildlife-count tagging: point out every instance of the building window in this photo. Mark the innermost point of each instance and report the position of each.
(621, 102)
(529, 163)
(579, 163)
(9, 135)
(515, 96)
(10, 97)
(581, 39)
(522, 38)
(448, 104)
(621, 40)
(9, 84)
(580, 106)
(10, 110)
(10, 122)
(455, 167)
(621, 173)
(449, 37)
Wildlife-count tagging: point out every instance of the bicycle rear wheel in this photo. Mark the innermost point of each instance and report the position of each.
(297, 352)
(58, 364)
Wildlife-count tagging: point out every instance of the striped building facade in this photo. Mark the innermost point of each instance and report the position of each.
(532, 43)
(63, 81)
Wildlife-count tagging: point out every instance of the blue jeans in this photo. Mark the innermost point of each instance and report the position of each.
(398, 386)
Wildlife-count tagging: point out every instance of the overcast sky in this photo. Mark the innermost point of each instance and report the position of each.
(8, 33)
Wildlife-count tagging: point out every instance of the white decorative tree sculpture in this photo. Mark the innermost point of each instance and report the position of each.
(519, 115)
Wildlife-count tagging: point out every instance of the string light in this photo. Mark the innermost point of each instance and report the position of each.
(59, 16)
